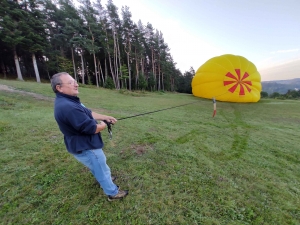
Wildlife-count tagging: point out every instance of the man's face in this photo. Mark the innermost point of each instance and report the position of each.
(68, 85)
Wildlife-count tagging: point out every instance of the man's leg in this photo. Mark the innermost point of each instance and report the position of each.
(95, 160)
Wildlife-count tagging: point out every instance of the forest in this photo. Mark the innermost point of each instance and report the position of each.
(98, 45)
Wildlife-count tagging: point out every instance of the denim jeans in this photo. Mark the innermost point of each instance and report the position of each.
(95, 160)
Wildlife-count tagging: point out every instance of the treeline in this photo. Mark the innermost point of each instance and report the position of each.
(39, 38)
(291, 94)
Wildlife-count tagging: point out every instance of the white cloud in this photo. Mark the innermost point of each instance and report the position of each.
(285, 51)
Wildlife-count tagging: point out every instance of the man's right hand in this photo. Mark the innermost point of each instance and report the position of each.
(100, 127)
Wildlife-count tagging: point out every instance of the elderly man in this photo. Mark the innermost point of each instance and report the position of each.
(82, 132)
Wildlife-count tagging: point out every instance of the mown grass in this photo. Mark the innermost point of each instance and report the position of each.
(181, 165)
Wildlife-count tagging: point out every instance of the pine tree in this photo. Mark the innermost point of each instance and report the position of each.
(93, 31)
(127, 36)
(150, 50)
(12, 19)
(114, 25)
(139, 52)
(72, 28)
(35, 41)
(55, 36)
(102, 37)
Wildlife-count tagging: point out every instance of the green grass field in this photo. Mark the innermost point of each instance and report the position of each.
(181, 165)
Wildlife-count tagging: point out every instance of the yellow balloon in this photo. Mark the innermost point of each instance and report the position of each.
(228, 78)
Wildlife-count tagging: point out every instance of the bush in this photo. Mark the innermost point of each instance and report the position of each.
(264, 94)
(109, 83)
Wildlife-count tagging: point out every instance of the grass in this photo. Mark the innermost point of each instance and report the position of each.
(181, 165)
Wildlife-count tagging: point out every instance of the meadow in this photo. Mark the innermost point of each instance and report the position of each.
(181, 166)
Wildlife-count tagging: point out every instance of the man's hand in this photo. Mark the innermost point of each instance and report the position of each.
(100, 127)
(111, 119)
(98, 116)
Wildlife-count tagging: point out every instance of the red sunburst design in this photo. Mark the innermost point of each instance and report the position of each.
(238, 81)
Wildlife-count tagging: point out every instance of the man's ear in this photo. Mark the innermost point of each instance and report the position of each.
(58, 88)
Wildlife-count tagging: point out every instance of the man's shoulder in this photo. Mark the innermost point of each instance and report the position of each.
(65, 100)
(67, 105)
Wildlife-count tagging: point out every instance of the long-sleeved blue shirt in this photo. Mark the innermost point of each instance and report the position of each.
(76, 123)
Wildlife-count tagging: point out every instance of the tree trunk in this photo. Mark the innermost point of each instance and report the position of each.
(172, 83)
(74, 66)
(162, 81)
(96, 72)
(105, 65)
(129, 72)
(137, 71)
(119, 59)
(110, 64)
(3, 69)
(153, 67)
(82, 66)
(62, 52)
(95, 63)
(36, 70)
(159, 86)
(17, 65)
(112, 71)
(116, 61)
(101, 72)
(142, 66)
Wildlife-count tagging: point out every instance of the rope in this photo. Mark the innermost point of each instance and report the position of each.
(109, 124)
(142, 114)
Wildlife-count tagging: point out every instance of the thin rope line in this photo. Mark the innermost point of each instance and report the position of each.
(156, 111)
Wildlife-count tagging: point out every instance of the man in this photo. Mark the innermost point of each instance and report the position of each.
(82, 132)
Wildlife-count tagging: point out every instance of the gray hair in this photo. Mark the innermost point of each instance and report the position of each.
(55, 80)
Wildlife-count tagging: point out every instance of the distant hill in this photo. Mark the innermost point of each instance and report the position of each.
(280, 86)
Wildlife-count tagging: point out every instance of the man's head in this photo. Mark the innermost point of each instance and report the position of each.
(64, 83)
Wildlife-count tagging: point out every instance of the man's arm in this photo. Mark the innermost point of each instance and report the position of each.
(98, 116)
(101, 126)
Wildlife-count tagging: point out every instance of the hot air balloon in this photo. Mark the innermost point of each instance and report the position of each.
(228, 78)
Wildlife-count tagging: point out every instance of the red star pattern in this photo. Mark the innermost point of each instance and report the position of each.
(238, 81)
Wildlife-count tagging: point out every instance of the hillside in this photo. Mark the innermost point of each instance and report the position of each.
(280, 86)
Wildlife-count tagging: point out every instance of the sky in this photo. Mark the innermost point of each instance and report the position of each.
(266, 32)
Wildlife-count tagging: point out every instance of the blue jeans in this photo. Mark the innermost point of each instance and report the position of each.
(95, 160)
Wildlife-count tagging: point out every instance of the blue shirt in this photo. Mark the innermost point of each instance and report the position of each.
(76, 123)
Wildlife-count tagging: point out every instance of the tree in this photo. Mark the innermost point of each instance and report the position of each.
(150, 50)
(5, 64)
(102, 37)
(72, 28)
(185, 81)
(264, 94)
(46, 35)
(124, 75)
(114, 25)
(35, 41)
(292, 94)
(138, 50)
(275, 95)
(127, 36)
(12, 19)
(93, 31)
(164, 60)
(56, 38)
(64, 64)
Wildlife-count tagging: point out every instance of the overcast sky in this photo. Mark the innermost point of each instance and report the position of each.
(266, 32)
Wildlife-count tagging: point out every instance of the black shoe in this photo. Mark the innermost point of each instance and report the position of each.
(120, 195)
